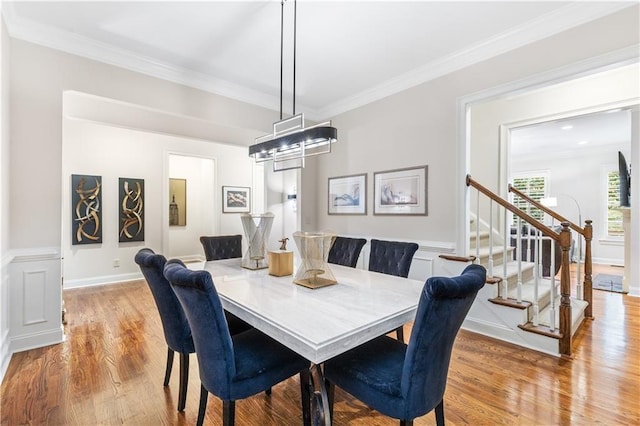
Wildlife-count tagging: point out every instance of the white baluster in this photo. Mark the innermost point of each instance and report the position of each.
(490, 262)
(536, 276)
(519, 260)
(552, 293)
(507, 236)
(478, 227)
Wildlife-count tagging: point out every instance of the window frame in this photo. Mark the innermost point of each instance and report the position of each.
(546, 176)
(606, 208)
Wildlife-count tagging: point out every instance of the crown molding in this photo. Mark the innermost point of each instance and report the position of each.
(562, 19)
(565, 18)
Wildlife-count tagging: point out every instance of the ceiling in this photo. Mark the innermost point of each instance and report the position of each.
(349, 53)
(587, 132)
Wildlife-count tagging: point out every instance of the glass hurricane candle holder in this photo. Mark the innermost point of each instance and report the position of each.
(314, 271)
(257, 228)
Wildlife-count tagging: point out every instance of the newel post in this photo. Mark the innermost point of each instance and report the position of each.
(565, 292)
(588, 284)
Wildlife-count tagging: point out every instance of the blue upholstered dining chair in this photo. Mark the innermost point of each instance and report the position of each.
(392, 258)
(222, 246)
(346, 251)
(232, 367)
(408, 381)
(177, 332)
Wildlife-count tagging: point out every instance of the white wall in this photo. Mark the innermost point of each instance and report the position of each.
(581, 176)
(601, 91)
(114, 152)
(4, 197)
(184, 241)
(39, 76)
(419, 126)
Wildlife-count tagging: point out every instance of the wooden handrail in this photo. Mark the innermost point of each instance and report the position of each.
(513, 209)
(547, 210)
(564, 239)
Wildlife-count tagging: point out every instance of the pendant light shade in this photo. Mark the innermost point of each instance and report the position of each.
(291, 142)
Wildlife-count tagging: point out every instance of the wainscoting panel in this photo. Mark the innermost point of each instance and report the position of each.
(35, 299)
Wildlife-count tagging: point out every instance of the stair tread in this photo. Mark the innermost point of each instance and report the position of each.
(577, 308)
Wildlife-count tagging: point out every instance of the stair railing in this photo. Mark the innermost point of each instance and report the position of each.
(584, 289)
(563, 238)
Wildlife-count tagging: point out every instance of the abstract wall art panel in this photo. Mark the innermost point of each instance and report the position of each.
(131, 209)
(86, 205)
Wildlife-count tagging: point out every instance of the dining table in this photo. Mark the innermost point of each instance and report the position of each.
(317, 323)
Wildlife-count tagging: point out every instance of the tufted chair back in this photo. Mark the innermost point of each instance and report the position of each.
(222, 246)
(391, 257)
(174, 322)
(346, 251)
(443, 306)
(408, 381)
(200, 299)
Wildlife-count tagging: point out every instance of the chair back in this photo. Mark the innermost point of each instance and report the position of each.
(443, 305)
(346, 251)
(176, 328)
(391, 257)
(202, 306)
(222, 246)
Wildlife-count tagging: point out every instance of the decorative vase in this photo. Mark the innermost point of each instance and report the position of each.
(314, 271)
(257, 228)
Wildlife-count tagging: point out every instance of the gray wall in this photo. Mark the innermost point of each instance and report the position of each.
(419, 126)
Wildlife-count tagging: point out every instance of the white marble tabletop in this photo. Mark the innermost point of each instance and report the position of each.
(317, 323)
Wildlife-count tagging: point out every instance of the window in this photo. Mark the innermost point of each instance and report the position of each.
(534, 185)
(614, 216)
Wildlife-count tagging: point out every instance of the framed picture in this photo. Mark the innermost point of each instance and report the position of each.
(177, 202)
(131, 209)
(348, 194)
(236, 199)
(400, 192)
(86, 209)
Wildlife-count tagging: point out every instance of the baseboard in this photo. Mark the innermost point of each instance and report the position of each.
(37, 340)
(106, 279)
(5, 355)
(506, 334)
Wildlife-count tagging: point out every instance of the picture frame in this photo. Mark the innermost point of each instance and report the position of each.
(401, 191)
(236, 199)
(177, 202)
(347, 195)
(130, 209)
(86, 209)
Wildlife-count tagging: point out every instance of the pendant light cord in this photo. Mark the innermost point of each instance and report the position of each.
(281, 51)
(295, 32)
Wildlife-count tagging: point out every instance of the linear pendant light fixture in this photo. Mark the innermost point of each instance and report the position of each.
(291, 142)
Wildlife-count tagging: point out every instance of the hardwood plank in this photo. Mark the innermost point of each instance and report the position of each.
(110, 371)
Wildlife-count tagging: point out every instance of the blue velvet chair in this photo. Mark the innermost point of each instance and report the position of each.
(346, 251)
(222, 246)
(177, 332)
(237, 366)
(408, 381)
(392, 258)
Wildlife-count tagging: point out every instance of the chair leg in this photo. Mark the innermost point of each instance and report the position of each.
(400, 334)
(184, 381)
(268, 392)
(305, 396)
(228, 413)
(406, 422)
(331, 390)
(167, 373)
(204, 395)
(440, 413)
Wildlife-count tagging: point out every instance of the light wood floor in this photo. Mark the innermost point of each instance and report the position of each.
(110, 371)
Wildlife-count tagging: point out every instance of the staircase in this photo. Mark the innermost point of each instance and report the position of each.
(513, 318)
(518, 305)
